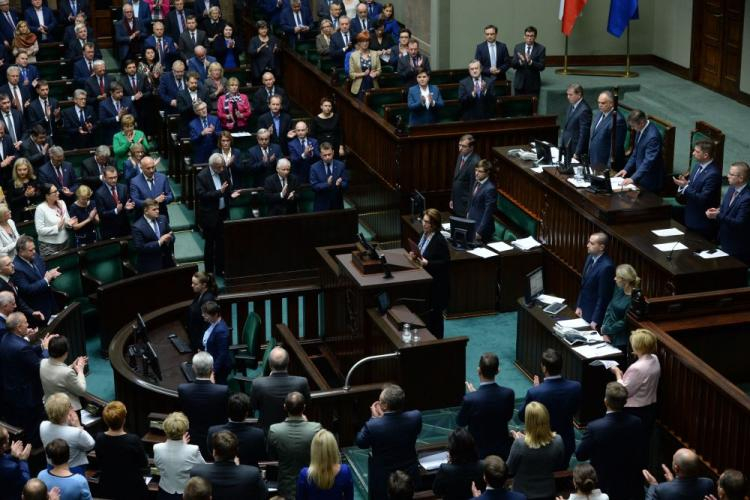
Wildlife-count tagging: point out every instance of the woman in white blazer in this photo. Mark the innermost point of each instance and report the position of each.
(175, 457)
(8, 232)
(52, 220)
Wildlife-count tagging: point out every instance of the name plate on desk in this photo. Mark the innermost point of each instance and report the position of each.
(365, 263)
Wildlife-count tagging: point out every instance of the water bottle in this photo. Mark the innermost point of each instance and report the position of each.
(406, 333)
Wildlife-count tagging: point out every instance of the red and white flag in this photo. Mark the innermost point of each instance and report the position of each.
(569, 12)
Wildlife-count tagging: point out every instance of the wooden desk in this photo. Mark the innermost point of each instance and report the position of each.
(534, 334)
(568, 216)
(475, 282)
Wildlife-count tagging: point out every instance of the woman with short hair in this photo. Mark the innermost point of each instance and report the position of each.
(128, 136)
(64, 424)
(175, 457)
(86, 216)
(51, 220)
(8, 232)
(72, 484)
(615, 325)
(454, 479)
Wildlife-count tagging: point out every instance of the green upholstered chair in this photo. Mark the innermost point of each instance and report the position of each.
(101, 263)
(393, 111)
(306, 199)
(376, 99)
(513, 106)
(69, 283)
(50, 51)
(246, 352)
(450, 112)
(449, 92)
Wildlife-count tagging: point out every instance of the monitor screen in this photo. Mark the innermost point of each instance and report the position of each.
(463, 231)
(534, 284)
(153, 360)
(140, 330)
(543, 152)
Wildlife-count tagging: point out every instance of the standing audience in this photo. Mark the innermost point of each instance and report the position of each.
(64, 424)
(175, 457)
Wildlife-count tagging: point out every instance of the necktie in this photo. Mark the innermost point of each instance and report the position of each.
(370, 10)
(23, 74)
(17, 102)
(117, 106)
(161, 49)
(601, 118)
(155, 226)
(10, 126)
(346, 38)
(476, 188)
(328, 170)
(297, 19)
(74, 8)
(734, 195)
(697, 173)
(283, 183)
(46, 110)
(10, 19)
(91, 68)
(101, 85)
(133, 84)
(265, 152)
(181, 19)
(81, 117)
(192, 36)
(477, 87)
(528, 51)
(179, 85)
(363, 22)
(493, 56)
(150, 183)
(58, 170)
(204, 122)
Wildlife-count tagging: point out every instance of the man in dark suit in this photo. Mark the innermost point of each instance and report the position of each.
(204, 402)
(733, 215)
(60, 173)
(278, 122)
(193, 92)
(190, 38)
(492, 55)
(682, 482)
(35, 147)
(463, 175)
(214, 189)
(177, 19)
(341, 42)
(112, 110)
(32, 277)
(135, 88)
(142, 12)
(528, 61)
(303, 152)
(280, 190)
(79, 121)
(83, 68)
(8, 155)
(324, 8)
(153, 239)
(701, 190)
(14, 467)
(262, 157)
(230, 481)
(575, 133)
(268, 393)
(362, 21)
(296, 22)
(76, 48)
(98, 84)
(19, 372)
(7, 270)
(202, 7)
(600, 138)
(252, 439)
(411, 64)
(204, 132)
(129, 34)
(13, 121)
(561, 397)
(482, 202)
(329, 180)
(19, 94)
(597, 281)
(44, 29)
(645, 167)
(487, 410)
(612, 444)
(92, 168)
(199, 62)
(44, 110)
(151, 184)
(113, 205)
(476, 94)
(391, 434)
(29, 73)
(169, 86)
(262, 97)
(164, 45)
(7, 27)
(69, 9)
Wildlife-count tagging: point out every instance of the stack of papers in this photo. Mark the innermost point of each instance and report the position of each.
(672, 231)
(670, 247)
(712, 254)
(483, 252)
(579, 183)
(433, 461)
(537, 170)
(616, 183)
(446, 226)
(500, 246)
(574, 323)
(526, 243)
(596, 351)
(241, 134)
(549, 299)
(606, 363)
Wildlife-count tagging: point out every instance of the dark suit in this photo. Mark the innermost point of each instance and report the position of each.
(734, 225)
(21, 305)
(278, 205)
(278, 136)
(91, 174)
(139, 191)
(487, 412)
(600, 142)
(167, 52)
(267, 395)
(144, 13)
(74, 51)
(480, 106)
(262, 96)
(204, 144)
(338, 48)
(408, 68)
(185, 108)
(252, 447)
(260, 169)
(575, 134)
(501, 495)
(30, 150)
(18, 124)
(612, 445)
(463, 179)
(32, 286)
(173, 24)
(72, 124)
(702, 192)
(324, 8)
(186, 44)
(438, 265)
(288, 23)
(562, 398)
(646, 164)
(50, 22)
(13, 474)
(502, 59)
(81, 72)
(127, 48)
(28, 75)
(168, 90)
(482, 202)
(109, 125)
(196, 325)
(94, 89)
(328, 196)
(22, 387)
(528, 79)
(418, 113)
(597, 285)
(391, 439)
(66, 10)
(211, 216)
(201, 6)
(230, 481)
(200, 67)
(694, 488)
(24, 91)
(356, 26)
(8, 149)
(151, 255)
(7, 30)
(217, 346)
(301, 166)
(36, 115)
(69, 180)
(111, 224)
(453, 481)
(204, 404)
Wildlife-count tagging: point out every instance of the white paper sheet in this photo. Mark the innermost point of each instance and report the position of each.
(447, 226)
(526, 243)
(433, 461)
(86, 417)
(672, 246)
(715, 255)
(500, 246)
(616, 183)
(606, 363)
(537, 170)
(574, 323)
(672, 231)
(550, 299)
(579, 183)
(483, 252)
(596, 351)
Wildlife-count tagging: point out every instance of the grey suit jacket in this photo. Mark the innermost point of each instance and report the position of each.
(289, 442)
(268, 394)
(59, 377)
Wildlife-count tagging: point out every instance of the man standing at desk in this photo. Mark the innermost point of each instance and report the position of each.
(701, 190)
(575, 135)
(645, 167)
(600, 143)
(463, 175)
(734, 214)
(597, 281)
(482, 202)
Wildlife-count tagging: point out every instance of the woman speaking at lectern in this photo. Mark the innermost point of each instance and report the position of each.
(435, 257)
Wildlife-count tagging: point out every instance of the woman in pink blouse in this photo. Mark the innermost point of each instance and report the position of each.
(233, 108)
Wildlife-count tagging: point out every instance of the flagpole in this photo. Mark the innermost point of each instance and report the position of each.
(628, 74)
(564, 70)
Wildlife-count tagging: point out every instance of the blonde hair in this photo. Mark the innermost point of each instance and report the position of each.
(643, 341)
(324, 457)
(215, 65)
(58, 407)
(83, 191)
(127, 121)
(22, 161)
(176, 425)
(627, 273)
(538, 432)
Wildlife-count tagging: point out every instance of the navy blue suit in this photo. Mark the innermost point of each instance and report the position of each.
(81, 73)
(217, 346)
(562, 398)
(94, 90)
(205, 404)
(35, 113)
(144, 12)
(577, 128)
(481, 207)
(109, 125)
(139, 191)
(734, 225)
(357, 28)
(487, 412)
(66, 10)
(702, 192)
(501, 495)
(193, 64)
(13, 476)
(502, 59)
(69, 179)
(301, 166)
(7, 31)
(202, 5)
(646, 165)
(151, 255)
(288, 24)
(391, 439)
(480, 105)
(31, 74)
(33, 288)
(169, 49)
(328, 197)
(168, 90)
(23, 89)
(49, 21)
(337, 48)
(278, 136)
(260, 169)
(600, 141)
(694, 488)
(597, 285)
(112, 225)
(418, 114)
(203, 145)
(72, 123)
(612, 445)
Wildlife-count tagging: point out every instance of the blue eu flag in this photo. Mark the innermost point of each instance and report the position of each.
(620, 14)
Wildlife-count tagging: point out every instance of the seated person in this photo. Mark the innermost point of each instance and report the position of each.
(423, 100)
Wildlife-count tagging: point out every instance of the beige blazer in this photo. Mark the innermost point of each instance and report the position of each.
(354, 67)
(59, 377)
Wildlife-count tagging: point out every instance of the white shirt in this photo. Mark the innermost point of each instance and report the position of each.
(40, 16)
(46, 220)
(425, 92)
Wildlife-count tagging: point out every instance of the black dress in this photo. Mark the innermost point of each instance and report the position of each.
(87, 234)
(265, 60)
(327, 130)
(22, 206)
(196, 327)
(438, 264)
(122, 462)
(453, 481)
